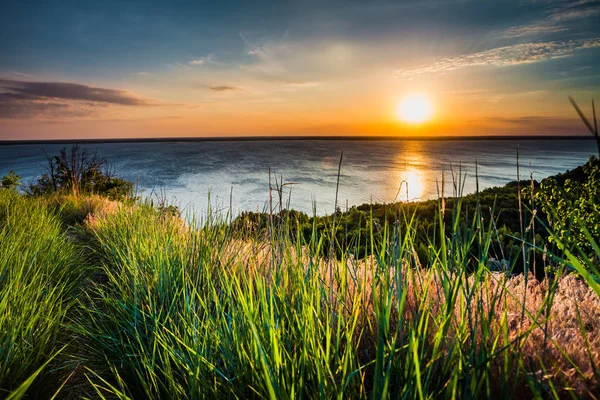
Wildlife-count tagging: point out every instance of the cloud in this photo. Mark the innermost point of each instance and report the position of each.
(533, 124)
(575, 14)
(207, 59)
(72, 91)
(300, 84)
(269, 54)
(293, 86)
(588, 44)
(532, 30)
(27, 99)
(21, 75)
(560, 18)
(18, 106)
(225, 88)
(291, 61)
(528, 120)
(575, 70)
(503, 56)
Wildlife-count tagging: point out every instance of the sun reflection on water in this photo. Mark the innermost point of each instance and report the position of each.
(414, 184)
(411, 181)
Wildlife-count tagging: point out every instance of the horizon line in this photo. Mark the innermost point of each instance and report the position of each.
(10, 142)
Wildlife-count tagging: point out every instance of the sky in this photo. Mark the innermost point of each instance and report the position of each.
(117, 69)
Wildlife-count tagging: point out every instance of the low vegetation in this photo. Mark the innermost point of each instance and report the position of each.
(555, 202)
(78, 171)
(42, 272)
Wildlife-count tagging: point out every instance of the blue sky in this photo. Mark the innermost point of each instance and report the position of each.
(185, 68)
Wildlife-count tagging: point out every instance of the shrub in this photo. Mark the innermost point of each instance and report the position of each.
(10, 181)
(77, 170)
(577, 202)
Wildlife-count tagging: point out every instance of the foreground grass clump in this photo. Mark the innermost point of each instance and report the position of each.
(74, 209)
(40, 275)
(195, 313)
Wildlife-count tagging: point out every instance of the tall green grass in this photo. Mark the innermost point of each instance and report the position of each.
(197, 313)
(41, 272)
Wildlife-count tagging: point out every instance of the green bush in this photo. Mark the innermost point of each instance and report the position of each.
(77, 170)
(573, 209)
(10, 181)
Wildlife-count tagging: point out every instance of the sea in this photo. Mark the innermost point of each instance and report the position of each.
(236, 176)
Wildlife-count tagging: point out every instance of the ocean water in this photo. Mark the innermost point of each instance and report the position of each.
(236, 173)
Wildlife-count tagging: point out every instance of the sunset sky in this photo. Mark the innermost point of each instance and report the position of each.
(78, 69)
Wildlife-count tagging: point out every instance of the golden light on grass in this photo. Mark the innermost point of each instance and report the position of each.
(415, 108)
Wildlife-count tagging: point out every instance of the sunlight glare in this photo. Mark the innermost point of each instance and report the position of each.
(415, 109)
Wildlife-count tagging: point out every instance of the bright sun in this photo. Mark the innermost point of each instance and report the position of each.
(415, 109)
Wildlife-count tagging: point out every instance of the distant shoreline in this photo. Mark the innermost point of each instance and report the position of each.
(288, 138)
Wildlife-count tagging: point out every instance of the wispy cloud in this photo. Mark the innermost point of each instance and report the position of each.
(570, 14)
(224, 88)
(559, 18)
(575, 70)
(535, 123)
(207, 59)
(533, 30)
(503, 56)
(528, 120)
(269, 54)
(299, 85)
(21, 74)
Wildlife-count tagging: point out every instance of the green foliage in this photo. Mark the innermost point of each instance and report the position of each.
(170, 209)
(41, 273)
(574, 203)
(10, 181)
(76, 170)
(354, 228)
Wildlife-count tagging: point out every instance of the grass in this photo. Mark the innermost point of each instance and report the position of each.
(40, 278)
(158, 309)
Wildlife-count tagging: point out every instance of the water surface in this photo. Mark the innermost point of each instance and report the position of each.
(372, 171)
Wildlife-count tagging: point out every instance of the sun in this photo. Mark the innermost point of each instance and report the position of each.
(415, 109)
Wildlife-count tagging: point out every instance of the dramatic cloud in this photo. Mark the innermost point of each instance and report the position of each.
(71, 91)
(24, 99)
(504, 56)
(225, 88)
